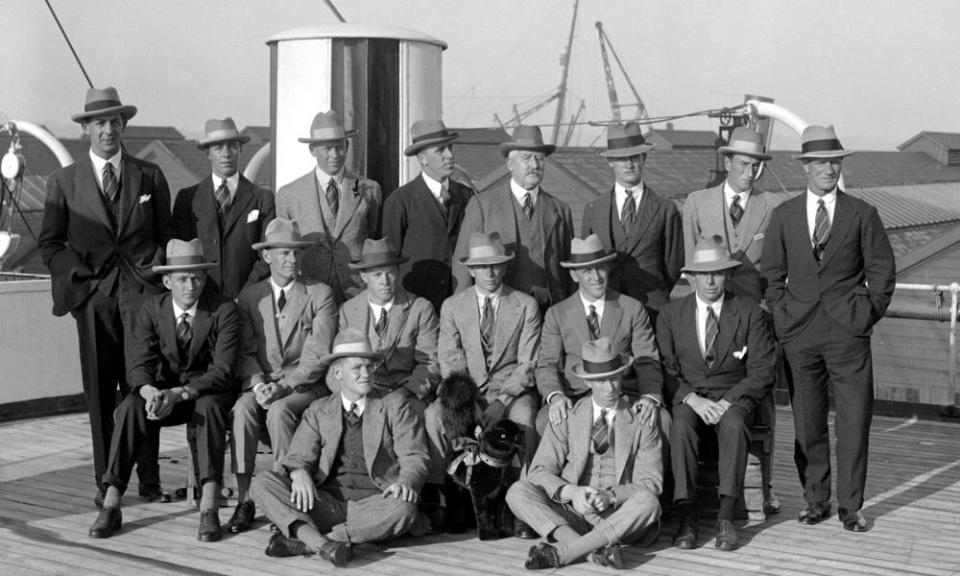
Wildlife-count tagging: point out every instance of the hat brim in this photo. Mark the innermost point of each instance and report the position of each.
(823, 154)
(336, 355)
(366, 265)
(184, 267)
(757, 155)
(626, 152)
(486, 261)
(287, 244)
(126, 112)
(574, 265)
(716, 266)
(207, 143)
(627, 363)
(507, 147)
(347, 134)
(413, 149)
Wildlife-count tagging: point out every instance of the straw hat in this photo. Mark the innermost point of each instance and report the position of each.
(526, 138)
(427, 133)
(327, 127)
(820, 142)
(351, 343)
(745, 141)
(587, 252)
(104, 102)
(485, 250)
(377, 253)
(600, 361)
(215, 131)
(282, 233)
(710, 256)
(184, 256)
(625, 141)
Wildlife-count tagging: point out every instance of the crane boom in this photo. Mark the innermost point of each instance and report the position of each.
(611, 86)
(562, 93)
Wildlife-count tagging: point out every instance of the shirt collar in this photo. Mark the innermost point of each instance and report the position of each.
(178, 311)
(519, 192)
(232, 182)
(729, 193)
(433, 185)
(376, 307)
(702, 306)
(361, 405)
(99, 163)
(276, 288)
(324, 179)
(598, 305)
(494, 297)
(828, 199)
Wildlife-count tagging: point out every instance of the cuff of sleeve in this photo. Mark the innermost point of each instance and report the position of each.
(653, 399)
(687, 397)
(551, 395)
(256, 387)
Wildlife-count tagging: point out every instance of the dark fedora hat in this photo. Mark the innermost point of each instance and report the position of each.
(104, 102)
(526, 138)
(377, 253)
(624, 141)
(216, 131)
(327, 127)
(427, 133)
(820, 142)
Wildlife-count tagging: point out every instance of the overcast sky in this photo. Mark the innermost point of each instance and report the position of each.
(880, 70)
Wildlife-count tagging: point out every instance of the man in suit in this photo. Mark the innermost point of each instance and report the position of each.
(422, 218)
(226, 211)
(830, 275)
(181, 372)
(595, 480)
(288, 325)
(336, 209)
(354, 469)
(402, 328)
(644, 230)
(596, 311)
(534, 225)
(719, 360)
(106, 220)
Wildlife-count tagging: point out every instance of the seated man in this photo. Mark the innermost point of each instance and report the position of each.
(288, 326)
(595, 481)
(718, 357)
(181, 371)
(401, 327)
(596, 310)
(355, 466)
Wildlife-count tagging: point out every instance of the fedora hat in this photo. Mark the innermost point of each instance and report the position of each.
(183, 256)
(745, 141)
(820, 142)
(351, 343)
(710, 256)
(600, 361)
(327, 127)
(587, 252)
(282, 233)
(104, 102)
(377, 253)
(215, 131)
(427, 133)
(485, 250)
(624, 141)
(526, 138)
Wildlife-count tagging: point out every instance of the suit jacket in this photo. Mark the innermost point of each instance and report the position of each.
(624, 321)
(744, 371)
(705, 215)
(414, 221)
(410, 343)
(288, 346)
(228, 244)
(86, 250)
(358, 218)
(210, 365)
(516, 340)
(394, 443)
(649, 261)
(492, 211)
(853, 285)
(564, 449)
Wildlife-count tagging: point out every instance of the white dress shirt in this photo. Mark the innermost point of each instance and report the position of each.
(519, 192)
(597, 306)
(494, 300)
(702, 320)
(620, 196)
(434, 186)
(232, 183)
(99, 163)
(361, 405)
(813, 202)
(729, 193)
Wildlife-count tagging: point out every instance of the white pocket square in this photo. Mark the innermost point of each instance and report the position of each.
(145, 198)
(760, 236)
(740, 354)
(252, 216)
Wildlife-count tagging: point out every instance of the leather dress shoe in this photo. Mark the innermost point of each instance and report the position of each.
(107, 523)
(771, 505)
(686, 536)
(853, 520)
(523, 530)
(727, 537)
(815, 513)
(542, 556)
(242, 518)
(154, 493)
(101, 494)
(338, 553)
(608, 556)
(210, 530)
(282, 547)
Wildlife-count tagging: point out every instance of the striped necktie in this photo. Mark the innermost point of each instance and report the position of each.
(601, 433)
(222, 196)
(710, 338)
(381, 326)
(629, 212)
(486, 326)
(593, 321)
(110, 185)
(333, 196)
(821, 231)
(184, 335)
(736, 210)
(528, 206)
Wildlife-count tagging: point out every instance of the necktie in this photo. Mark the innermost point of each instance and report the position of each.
(184, 334)
(110, 185)
(381, 326)
(601, 433)
(821, 231)
(528, 206)
(486, 326)
(444, 198)
(281, 301)
(736, 210)
(333, 196)
(710, 338)
(222, 196)
(629, 210)
(594, 323)
(352, 417)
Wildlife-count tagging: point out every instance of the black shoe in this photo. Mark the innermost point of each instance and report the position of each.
(242, 518)
(523, 530)
(815, 513)
(107, 524)
(154, 493)
(727, 537)
(101, 494)
(608, 556)
(542, 556)
(338, 553)
(282, 547)
(210, 530)
(686, 536)
(853, 520)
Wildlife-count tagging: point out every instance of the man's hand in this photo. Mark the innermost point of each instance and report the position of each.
(303, 492)
(268, 393)
(708, 410)
(168, 401)
(559, 405)
(152, 396)
(418, 388)
(582, 498)
(602, 501)
(648, 409)
(492, 414)
(401, 492)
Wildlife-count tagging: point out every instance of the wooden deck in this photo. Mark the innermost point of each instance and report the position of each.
(46, 508)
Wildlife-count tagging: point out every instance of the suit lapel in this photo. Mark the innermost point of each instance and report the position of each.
(842, 219)
(424, 198)
(289, 318)
(612, 315)
(129, 193)
(88, 192)
(333, 420)
(574, 318)
(623, 429)
(507, 316)
(602, 215)
(271, 335)
(470, 314)
(687, 320)
(202, 323)
(459, 195)
(647, 212)
(349, 200)
(373, 421)
(727, 326)
(397, 318)
(206, 206)
(550, 215)
(502, 213)
(166, 326)
(752, 219)
(238, 208)
(581, 424)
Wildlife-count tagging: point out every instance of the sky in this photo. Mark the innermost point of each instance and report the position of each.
(879, 70)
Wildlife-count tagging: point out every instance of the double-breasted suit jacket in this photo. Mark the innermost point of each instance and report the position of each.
(649, 254)
(358, 218)
(228, 241)
(705, 215)
(418, 228)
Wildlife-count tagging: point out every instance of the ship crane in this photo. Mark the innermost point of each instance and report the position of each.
(615, 105)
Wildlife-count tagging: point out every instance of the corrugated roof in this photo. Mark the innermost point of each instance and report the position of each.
(688, 138)
(950, 140)
(136, 132)
(899, 211)
(480, 135)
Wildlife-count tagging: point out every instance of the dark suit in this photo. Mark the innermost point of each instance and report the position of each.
(415, 223)
(742, 374)
(208, 369)
(100, 266)
(824, 315)
(649, 254)
(226, 241)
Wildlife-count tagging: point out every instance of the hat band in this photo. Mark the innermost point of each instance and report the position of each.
(100, 105)
(831, 145)
(225, 134)
(185, 260)
(282, 238)
(352, 348)
(708, 256)
(588, 257)
(378, 259)
(525, 143)
(430, 136)
(484, 252)
(328, 134)
(627, 142)
(601, 367)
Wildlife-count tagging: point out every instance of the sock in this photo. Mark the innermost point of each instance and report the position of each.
(572, 551)
(243, 487)
(727, 504)
(112, 498)
(308, 535)
(208, 496)
(687, 509)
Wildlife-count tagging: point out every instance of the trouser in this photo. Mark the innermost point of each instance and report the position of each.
(733, 442)
(280, 418)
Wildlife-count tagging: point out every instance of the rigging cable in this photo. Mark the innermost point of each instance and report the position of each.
(70, 44)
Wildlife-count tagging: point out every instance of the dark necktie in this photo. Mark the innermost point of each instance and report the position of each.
(381, 326)
(110, 185)
(821, 231)
(444, 199)
(710, 338)
(352, 417)
(184, 334)
(528, 206)
(601, 433)
(486, 326)
(736, 210)
(333, 197)
(594, 323)
(222, 196)
(629, 210)
(281, 301)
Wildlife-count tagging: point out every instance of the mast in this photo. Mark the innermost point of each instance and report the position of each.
(562, 93)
